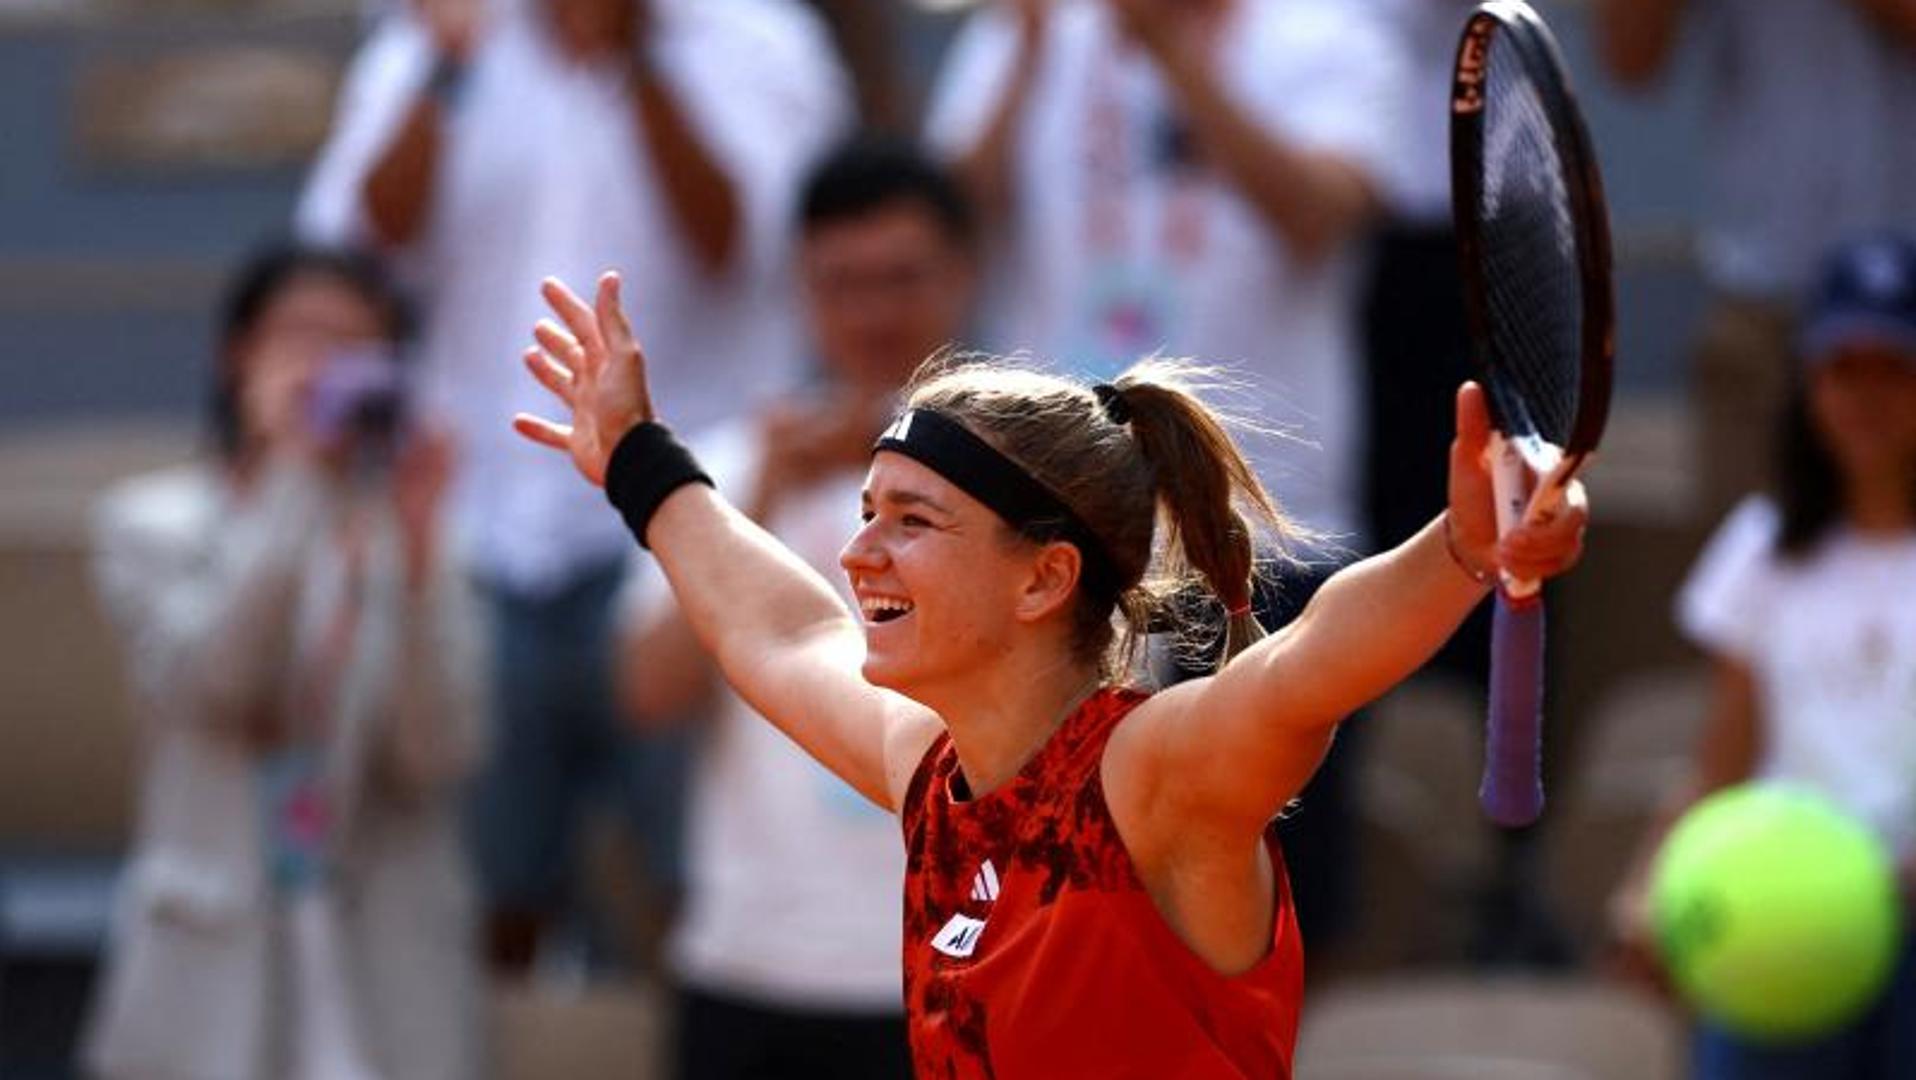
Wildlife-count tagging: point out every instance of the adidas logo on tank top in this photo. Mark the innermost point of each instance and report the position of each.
(959, 936)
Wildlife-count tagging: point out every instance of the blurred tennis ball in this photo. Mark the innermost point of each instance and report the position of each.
(1776, 914)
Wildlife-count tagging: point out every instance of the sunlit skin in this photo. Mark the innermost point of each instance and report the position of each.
(965, 575)
(885, 286)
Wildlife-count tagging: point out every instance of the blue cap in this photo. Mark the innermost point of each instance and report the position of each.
(1867, 293)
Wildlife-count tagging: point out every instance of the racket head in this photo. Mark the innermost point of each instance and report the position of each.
(1533, 236)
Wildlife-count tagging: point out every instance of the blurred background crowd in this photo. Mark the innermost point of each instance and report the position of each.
(342, 735)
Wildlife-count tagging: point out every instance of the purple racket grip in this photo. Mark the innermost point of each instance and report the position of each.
(1512, 792)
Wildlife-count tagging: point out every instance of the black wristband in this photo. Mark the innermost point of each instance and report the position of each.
(648, 465)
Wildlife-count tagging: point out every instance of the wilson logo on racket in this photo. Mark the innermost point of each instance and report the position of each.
(1467, 93)
(1533, 239)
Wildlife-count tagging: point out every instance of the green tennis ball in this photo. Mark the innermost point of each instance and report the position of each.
(1776, 914)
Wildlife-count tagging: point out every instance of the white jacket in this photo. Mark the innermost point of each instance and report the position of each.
(216, 596)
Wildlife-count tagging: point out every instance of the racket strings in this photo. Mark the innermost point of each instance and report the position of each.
(1529, 236)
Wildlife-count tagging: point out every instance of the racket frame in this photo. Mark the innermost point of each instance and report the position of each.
(1531, 474)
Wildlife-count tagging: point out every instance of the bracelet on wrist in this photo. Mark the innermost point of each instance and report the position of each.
(1476, 574)
(646, 467)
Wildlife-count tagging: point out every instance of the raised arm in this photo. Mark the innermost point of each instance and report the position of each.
(398, 191)
(703, 197)
(986, 165)
(778, 632)
(665, 674)
(1315, 200)
(1235, 748)
(396, 195)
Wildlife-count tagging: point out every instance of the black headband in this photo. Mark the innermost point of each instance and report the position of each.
(949, 449)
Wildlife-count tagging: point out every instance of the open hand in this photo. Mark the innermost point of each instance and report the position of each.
(1532, 551)
(594, 366)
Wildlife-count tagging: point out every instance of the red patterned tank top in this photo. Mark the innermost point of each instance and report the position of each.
(1033, 952)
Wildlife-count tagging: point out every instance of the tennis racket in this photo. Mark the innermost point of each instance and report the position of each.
(1534, 237)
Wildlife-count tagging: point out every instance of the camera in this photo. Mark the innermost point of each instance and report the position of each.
(358, 396)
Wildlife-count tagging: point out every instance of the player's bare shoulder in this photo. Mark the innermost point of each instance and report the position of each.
(910, 731)
(1140, 756)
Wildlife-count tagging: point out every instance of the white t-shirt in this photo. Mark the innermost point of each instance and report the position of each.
(1122, 245)
(1808, 138)
(544, 173)
(1831, 642)
(794, 879)
(1418, 187)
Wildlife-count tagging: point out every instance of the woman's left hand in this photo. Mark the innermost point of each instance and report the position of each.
(1532, 551)
(594, 366)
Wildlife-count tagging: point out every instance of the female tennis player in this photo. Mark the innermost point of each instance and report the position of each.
(1092, 886)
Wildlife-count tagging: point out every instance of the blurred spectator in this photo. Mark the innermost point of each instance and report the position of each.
(306, 661)
(1809, 140)
(489, 145)
(781, 980)
(1415, 339)
(1807, 603)
(1186, 176)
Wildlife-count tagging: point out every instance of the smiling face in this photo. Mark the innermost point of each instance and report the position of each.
(945, 589)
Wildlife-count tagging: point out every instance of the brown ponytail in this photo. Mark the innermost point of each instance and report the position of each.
(1120, 458)
(1208, 491)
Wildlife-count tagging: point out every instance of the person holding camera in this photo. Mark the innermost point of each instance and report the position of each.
(308, 677)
